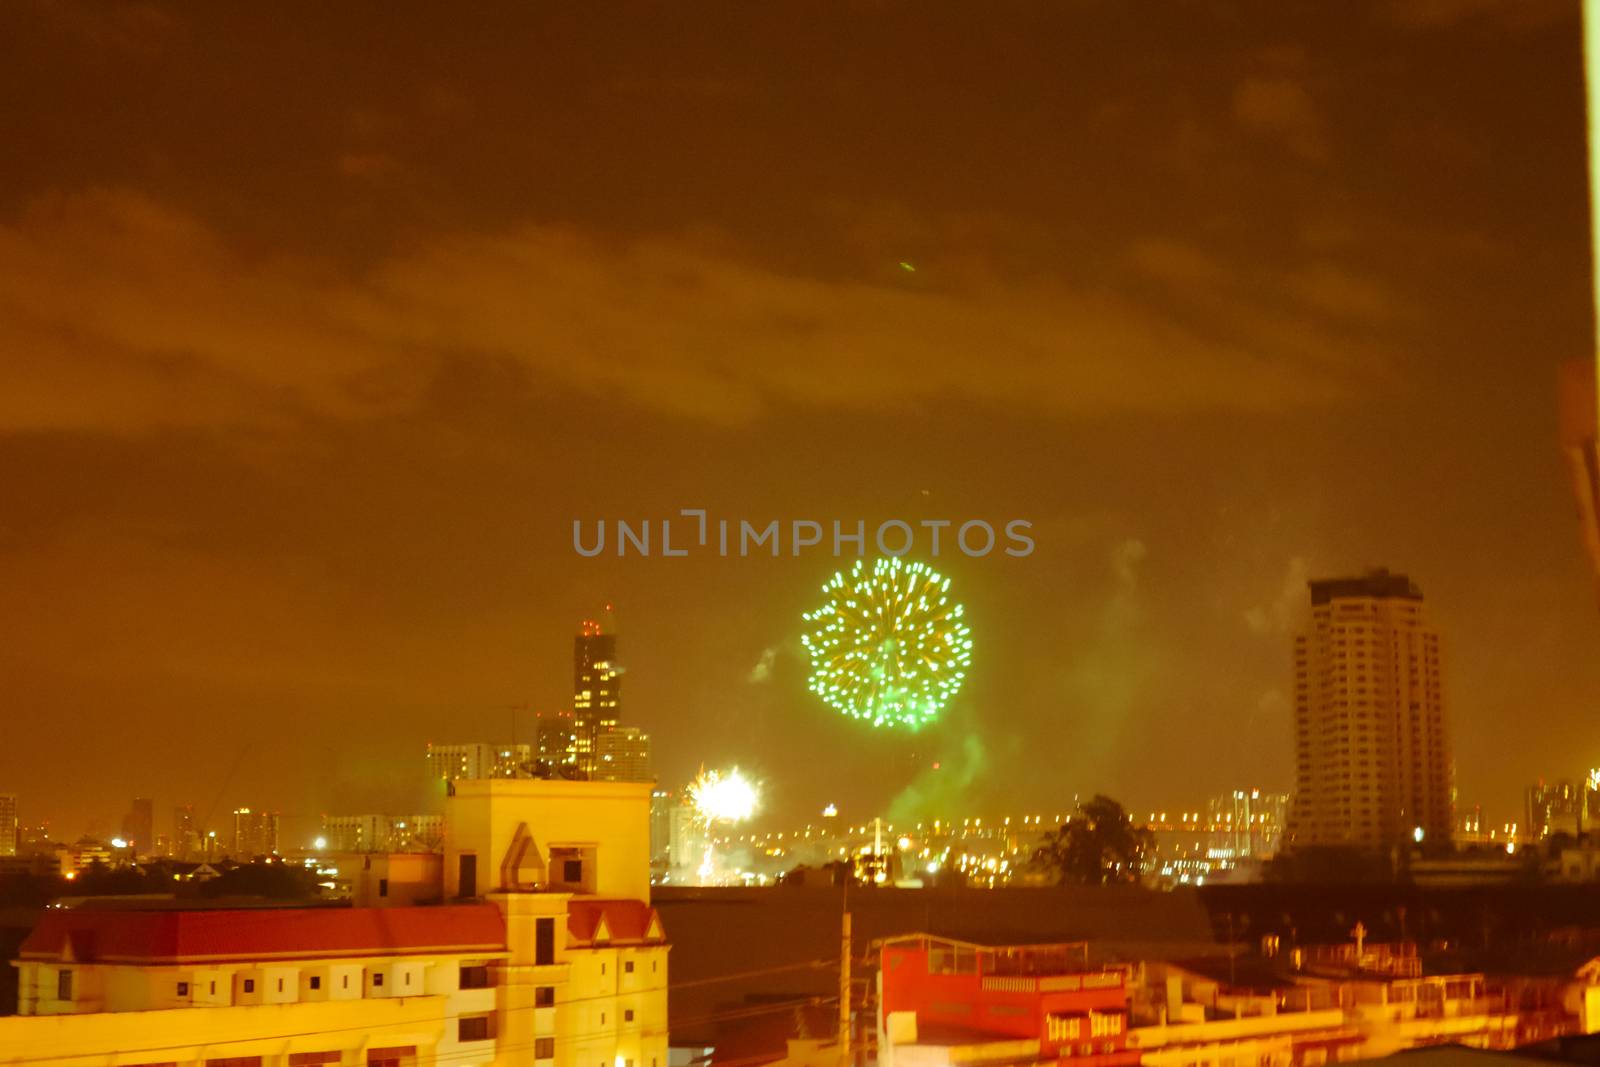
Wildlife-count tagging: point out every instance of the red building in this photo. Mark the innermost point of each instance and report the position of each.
(946, 1001)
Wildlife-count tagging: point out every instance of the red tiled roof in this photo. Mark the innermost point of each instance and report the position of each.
(626, 921)
(264, 933)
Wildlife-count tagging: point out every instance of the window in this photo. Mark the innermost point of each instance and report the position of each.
(572, 870)
(316, 981)
(313, 1059)
(346, 982)
(472, 1028)
(391, 1057)
(377, 981)
(627, 968)
(183, 989)
(467, 875)
(602, 1018)
(280, 985)
(627, 1016)
(544, 996)
(383, 887)
(213, 989)
(602, 968)
(544, 942)
(63, 985)
(249, 985)
(544, 1048)
(474, 977)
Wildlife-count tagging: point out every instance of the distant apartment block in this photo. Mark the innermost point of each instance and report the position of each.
(10, 828)
(476, 759)
(622, 754)
(556, 738)
(255, 833)
(139, 825)
(382, 833)
(1372, 756)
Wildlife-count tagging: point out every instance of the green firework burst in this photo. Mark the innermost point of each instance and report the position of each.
(889, 646)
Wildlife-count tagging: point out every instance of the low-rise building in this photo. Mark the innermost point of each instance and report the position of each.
(944, 1003)
(547, 953)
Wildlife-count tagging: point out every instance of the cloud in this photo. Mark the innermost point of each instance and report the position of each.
(1339, 293)
(1308, 307)
(1174, 262)
(1279, 615)
(123, 314)
(1280, 108)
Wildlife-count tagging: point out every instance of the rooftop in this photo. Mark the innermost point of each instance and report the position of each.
(1379, 582)
(212, 936)
(949, 956)
(612, 922)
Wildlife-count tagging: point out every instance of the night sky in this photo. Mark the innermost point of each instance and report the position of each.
(319, 326)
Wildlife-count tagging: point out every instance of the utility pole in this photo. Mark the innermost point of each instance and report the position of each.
(844, 982)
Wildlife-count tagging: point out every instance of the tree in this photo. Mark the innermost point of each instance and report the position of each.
(1099, 845)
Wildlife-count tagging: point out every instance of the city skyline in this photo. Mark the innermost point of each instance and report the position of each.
(299, 498)
(1063, 534)
(511, 757)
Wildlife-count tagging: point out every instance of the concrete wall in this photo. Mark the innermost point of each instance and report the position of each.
(189, 1036)
(613, 818)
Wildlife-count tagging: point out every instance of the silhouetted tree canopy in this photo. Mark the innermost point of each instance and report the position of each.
(1099, 845)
